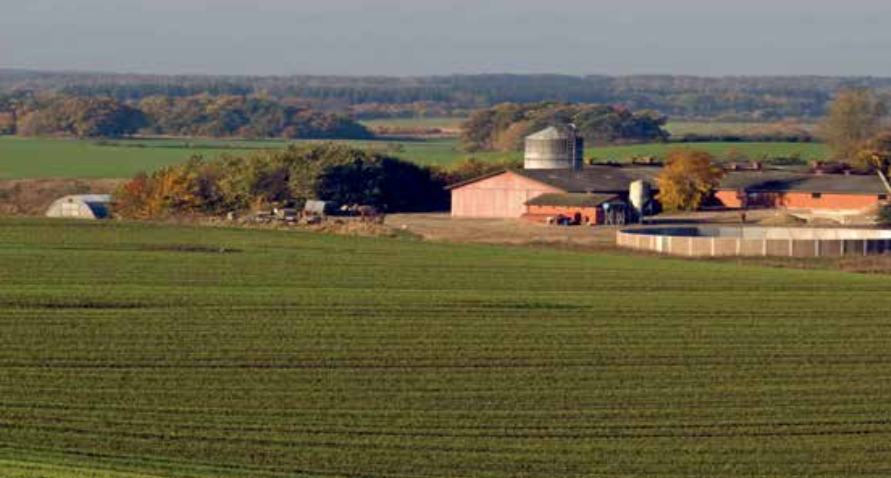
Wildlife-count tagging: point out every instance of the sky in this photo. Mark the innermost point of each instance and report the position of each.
(427, 37)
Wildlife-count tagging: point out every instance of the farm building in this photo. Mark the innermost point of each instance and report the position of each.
(510, 194)
(802, 191)
(577, 209)
(513, 193)
(89, 206)
(555, 183)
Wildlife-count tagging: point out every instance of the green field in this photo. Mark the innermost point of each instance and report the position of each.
(50, 158)
(132, 351)
(807, 151)
(53, 158)
(444, 123)
(680, 128)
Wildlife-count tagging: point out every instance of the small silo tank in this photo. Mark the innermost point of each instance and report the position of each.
(640, 193)
(554, 148)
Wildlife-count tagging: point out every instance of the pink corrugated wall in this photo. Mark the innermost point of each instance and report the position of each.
(502, 196)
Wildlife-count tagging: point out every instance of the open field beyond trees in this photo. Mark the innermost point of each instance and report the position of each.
(676, 128)
(132, 351)
(55, 158)
(681, 128)
(444, 123)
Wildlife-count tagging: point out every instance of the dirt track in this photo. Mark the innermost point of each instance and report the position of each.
(442, 227)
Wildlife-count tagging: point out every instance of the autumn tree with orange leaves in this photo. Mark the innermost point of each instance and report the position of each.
(688, 179)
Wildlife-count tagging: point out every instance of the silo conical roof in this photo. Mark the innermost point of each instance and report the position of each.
(551, 133)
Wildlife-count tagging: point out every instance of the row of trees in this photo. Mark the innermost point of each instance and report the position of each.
(726, 98)
(504, 127)
(246, 117)
(202, 115)
(331, 172)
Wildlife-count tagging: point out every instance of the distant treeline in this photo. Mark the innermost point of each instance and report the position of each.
(681, 97)
(58, 114)
(505, 127)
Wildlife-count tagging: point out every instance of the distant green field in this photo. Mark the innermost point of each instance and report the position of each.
(807, 151)
(680, 128)
(447, 123)
(674, 127)
(50, 158)
(42, 158)
(677, 128)
(138, 351)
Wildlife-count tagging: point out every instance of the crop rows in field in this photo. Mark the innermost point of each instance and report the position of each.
(146, 350)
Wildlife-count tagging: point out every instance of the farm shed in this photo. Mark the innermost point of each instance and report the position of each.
(580, 208)
(87, 206)
(790, 190)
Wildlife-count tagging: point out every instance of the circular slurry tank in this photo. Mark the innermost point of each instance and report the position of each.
(716, 241)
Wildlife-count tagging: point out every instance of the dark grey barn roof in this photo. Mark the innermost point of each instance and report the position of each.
(607, 179)
(572, 199)
(592, 179)
(780, 181)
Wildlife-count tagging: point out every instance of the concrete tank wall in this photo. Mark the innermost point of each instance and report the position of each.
(757, 241)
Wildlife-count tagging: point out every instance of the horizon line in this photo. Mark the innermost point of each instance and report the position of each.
(4, 69)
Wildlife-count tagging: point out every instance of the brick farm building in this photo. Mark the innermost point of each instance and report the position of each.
(554, 183)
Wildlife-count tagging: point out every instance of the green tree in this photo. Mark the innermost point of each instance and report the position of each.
(81, 117)
(504, 127)
(246, 117)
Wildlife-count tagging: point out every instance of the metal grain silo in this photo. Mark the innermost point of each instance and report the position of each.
(555, 148)
(640, 193)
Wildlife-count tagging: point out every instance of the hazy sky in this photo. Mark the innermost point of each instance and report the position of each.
(420, 37)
